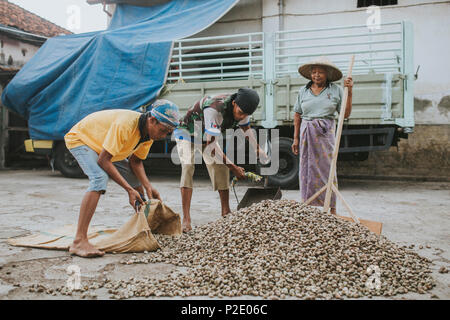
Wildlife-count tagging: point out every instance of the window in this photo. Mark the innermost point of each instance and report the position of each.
(367, 3)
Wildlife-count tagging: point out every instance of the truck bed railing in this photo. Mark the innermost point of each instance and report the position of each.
(230, 57)
(383, 69)
(376, 51)
(241, 56)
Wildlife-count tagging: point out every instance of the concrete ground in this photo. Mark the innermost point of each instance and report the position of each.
(38, 200)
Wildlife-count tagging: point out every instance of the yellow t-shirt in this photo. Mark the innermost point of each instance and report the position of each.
(116, 131)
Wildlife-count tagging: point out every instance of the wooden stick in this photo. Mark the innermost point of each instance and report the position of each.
(314, 196)
(336, 191)
(326, 206)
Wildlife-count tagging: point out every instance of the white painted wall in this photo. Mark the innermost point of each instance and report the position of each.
(431, 20)
(19, 52)
(245, 17)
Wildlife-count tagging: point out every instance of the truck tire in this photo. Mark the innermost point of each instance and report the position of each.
(353, 156)
(287, 175)
(66, 163)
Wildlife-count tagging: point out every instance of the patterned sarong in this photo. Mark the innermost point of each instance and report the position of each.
(316, 151)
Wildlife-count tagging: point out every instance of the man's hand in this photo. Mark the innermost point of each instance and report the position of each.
(295, 146)
(239, 172)
(134, 196)
(152, 193)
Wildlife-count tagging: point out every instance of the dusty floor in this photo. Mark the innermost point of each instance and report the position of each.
(33, 200)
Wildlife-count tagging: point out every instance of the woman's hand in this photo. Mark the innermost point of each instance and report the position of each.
(348, 82)
(295, 146)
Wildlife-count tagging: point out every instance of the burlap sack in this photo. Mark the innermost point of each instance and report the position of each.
(136, 235)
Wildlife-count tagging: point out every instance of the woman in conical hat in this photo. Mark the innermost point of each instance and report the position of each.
(314, 125)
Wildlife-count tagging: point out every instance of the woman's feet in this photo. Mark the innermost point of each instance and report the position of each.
(186, 226)
(225, 213)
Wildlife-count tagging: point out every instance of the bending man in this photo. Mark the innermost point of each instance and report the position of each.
(113, 143)
(210, 116)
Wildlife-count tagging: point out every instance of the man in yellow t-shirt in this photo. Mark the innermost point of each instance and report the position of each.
(113, 143)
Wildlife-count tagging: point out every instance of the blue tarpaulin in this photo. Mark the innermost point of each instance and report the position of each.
(123, 67)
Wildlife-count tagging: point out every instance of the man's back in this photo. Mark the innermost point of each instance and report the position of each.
(116, 131)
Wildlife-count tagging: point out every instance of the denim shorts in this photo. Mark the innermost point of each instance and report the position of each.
(98, 178)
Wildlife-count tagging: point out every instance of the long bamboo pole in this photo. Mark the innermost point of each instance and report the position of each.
(331, 175)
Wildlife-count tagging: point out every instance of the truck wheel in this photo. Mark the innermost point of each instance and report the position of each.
(354, 156)
(361, 156)
(66, 163)
(287, 175)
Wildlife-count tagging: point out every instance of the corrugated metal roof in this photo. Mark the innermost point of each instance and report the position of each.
(22, 35)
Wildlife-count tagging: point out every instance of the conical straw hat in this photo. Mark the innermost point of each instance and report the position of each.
(333, 72)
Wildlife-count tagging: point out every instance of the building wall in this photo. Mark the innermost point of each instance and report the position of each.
(431, 21)
(244, 17)
(14, 53)
(425, 154)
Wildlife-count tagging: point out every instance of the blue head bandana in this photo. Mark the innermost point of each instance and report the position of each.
(165, 112)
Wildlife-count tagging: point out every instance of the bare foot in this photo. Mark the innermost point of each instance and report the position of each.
(186, 226)
(85, 249)
(333, 211)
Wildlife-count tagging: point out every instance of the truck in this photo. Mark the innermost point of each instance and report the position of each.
(383, 75)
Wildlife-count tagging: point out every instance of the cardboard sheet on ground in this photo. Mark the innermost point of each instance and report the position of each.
(136, 235)
(373, 226)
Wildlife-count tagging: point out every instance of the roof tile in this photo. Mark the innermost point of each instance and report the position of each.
(15, 16)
